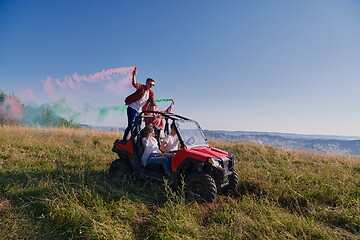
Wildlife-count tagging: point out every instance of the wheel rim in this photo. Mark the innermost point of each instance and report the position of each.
(197, 189)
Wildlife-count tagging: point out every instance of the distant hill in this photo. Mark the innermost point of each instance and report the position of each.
(332, 144)
(102, 128)
(315, 143)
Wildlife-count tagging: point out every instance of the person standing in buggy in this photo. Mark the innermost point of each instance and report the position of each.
(143, 96)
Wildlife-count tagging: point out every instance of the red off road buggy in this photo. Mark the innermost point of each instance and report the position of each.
(205, 170)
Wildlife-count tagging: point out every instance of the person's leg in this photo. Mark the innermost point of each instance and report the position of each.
(169, 156)
(139, 122)
(131, 114)
(161, 160)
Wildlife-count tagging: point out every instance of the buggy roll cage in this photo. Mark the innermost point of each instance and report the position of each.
(136, 128)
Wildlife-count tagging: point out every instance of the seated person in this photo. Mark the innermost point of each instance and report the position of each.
(156, 120)
(152, 153)
(171, 141)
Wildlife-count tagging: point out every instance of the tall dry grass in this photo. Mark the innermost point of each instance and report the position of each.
(54, 185)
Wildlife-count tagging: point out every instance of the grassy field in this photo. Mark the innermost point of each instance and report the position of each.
(54, 185)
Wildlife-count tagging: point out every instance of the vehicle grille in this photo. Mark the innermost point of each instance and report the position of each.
(226, 163)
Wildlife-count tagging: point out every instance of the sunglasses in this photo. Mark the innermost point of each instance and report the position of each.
(151, 84)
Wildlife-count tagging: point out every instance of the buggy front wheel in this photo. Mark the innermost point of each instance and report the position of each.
(232, 185)
(200, 187)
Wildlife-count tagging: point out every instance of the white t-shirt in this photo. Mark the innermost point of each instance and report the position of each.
(140, 103)
(151, 146)
(172, 142)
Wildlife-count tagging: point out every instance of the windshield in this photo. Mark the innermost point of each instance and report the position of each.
(191, 133)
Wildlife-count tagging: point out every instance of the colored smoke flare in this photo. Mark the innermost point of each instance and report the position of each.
(84, 88)
(11, 109)
(114, 80)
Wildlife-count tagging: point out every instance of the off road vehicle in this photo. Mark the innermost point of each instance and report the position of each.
(205, 170)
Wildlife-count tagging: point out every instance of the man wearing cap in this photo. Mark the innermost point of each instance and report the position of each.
(141, 98)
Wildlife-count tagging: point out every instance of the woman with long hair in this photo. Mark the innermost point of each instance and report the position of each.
(152, 153)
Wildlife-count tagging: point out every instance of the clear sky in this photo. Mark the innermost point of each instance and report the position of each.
(274, 66)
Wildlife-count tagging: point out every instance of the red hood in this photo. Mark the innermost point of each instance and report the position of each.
(209, 152)
(198, 153)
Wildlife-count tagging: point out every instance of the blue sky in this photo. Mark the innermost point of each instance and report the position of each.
(275, 66)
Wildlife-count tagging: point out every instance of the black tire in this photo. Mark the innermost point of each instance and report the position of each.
(200, 187)
(233, 181)
(120, 169)
(232, 186)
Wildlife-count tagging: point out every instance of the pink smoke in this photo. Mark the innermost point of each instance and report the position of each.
(61, 84)
(48, 86)
(11, 109)
(116, 80)
(29, 92)
(118, 88)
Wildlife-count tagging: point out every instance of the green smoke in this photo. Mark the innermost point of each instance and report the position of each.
(104, 111)
(44, 115)
(62, 110)
(163, 100)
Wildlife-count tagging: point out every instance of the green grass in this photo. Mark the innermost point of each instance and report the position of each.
(54, 185)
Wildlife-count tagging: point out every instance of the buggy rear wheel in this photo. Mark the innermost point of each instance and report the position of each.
(120, 169)
(200, 187)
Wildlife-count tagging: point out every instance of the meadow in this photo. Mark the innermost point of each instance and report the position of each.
(54, 185)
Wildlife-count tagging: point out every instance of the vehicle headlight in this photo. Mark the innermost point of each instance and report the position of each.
(214, 161)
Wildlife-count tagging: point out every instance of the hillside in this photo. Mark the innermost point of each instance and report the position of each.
(54, 185)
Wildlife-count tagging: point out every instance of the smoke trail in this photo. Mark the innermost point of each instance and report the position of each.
(163, 100)
(43, 115)
(115, 80)
(48, 86)
(14, 112)
(29, 92)
(103, 112)
(62, 109)
(51, 114)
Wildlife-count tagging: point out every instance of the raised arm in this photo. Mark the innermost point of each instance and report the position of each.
(168, 110)
(134, 77)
